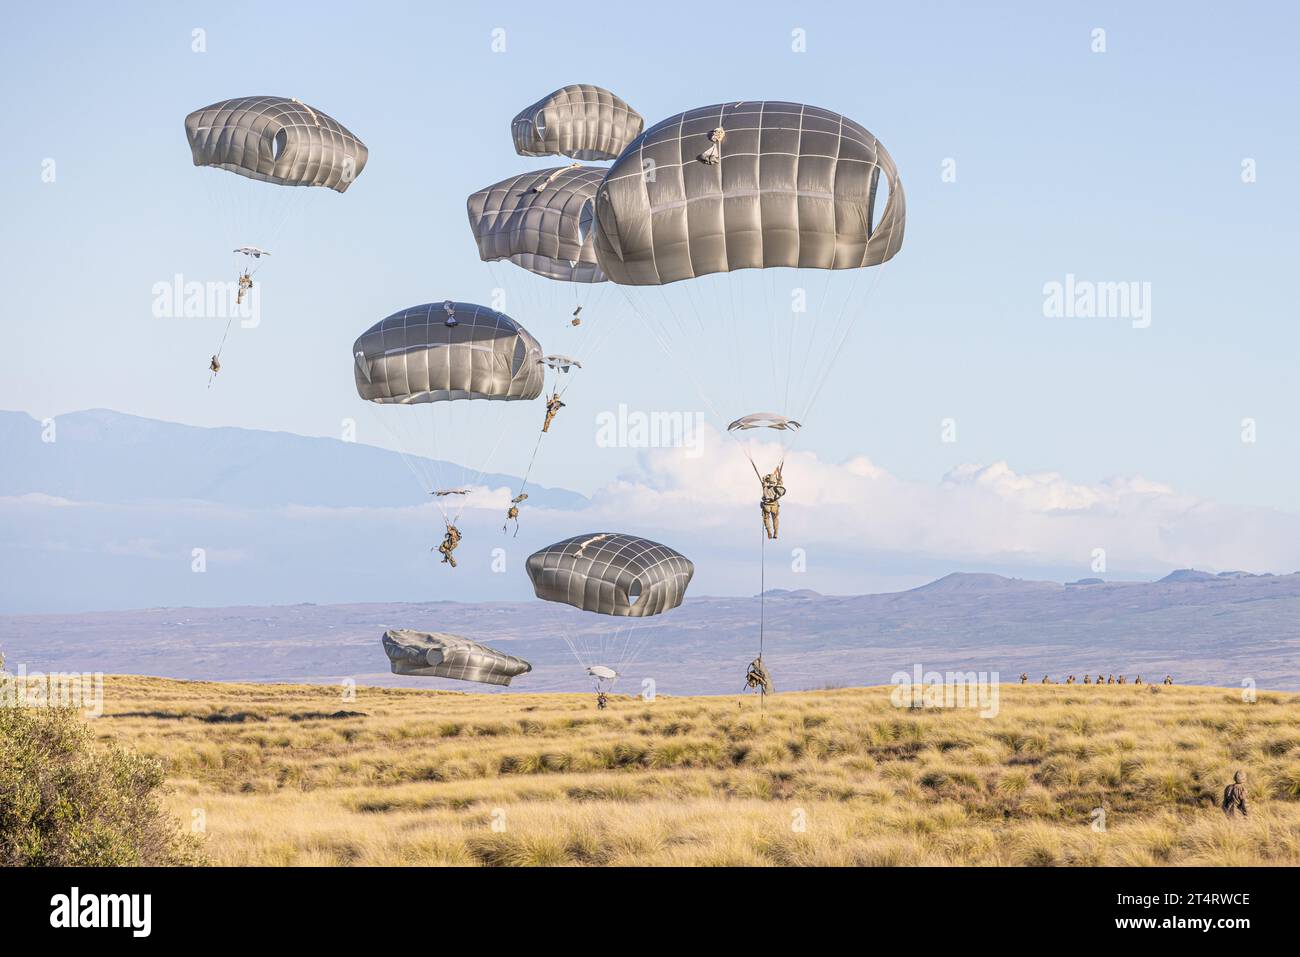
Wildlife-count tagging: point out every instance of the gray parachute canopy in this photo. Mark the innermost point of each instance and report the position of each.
(439, 655)
(276, 140)
(612, 574)
(764, 420)
(579, 120)
(541, 221)
(442, 351)
(785, 185)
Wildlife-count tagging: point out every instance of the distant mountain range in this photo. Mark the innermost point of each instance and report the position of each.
(109, 457)
(1202, 629)
(127, 513)
(109, 515)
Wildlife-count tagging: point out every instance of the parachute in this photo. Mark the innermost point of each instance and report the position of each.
(763, 420)
(561, 363)
(602, 678)
(268, 142)
(609, 573)
(276, 140)
(419, 355)
(440, 655)
(438, 357)
(800, 191)
(540, 221)
(579, 120)
(740, 233)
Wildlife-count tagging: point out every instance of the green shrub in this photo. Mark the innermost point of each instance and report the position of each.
(67, 801)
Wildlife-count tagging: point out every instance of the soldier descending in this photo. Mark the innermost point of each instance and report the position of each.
(602, 701)
(1087, 679)
(770, 503)
(1024, 678)
(449, 543)
(1234, 795)
(513, 512)
(757, 678)
(1169, 679)
(553, 406)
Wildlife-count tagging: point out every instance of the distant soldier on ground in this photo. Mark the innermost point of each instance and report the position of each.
(1110, 680)
(1087, 679)
(1169, 679)
(1120, 681)
(1234, 795)
(1046, 680)
(1024, 678)
(1070, 680)
(1138, 681)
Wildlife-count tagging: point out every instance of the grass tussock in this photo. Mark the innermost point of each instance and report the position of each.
(295, 775)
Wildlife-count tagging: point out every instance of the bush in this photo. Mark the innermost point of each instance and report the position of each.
(67, 801)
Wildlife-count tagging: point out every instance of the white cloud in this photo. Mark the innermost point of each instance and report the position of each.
(974, 514)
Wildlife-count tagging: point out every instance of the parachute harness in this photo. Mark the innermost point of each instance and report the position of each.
(541, 187)
(713, 155)
(314, 118)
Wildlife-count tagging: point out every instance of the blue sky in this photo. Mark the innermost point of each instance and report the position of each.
(1116, 166)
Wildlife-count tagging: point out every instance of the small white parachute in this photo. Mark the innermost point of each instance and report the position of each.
(560, 363)
(764, 420)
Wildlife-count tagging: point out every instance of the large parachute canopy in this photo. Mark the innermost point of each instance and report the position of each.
(440, 655)
(581, 120)
(276, 140)
(743, 236)
(541, 221)
(611, 573)
(747, 185)
(411, 367)
(441, 351)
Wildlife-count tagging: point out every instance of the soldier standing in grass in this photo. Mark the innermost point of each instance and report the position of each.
(1169, 679)
(1234, 796)
(1024, 678)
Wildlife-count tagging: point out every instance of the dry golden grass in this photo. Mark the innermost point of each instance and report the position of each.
(837, 777)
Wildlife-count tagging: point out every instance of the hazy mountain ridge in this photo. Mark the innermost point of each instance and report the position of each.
(111, 457)
(1221, 632)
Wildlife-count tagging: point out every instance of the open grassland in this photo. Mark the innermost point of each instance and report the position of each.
(292, 774)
